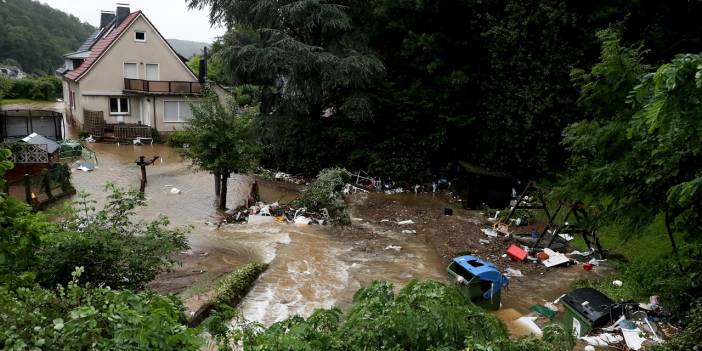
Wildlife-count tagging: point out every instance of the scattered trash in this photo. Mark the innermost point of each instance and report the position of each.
(409, 231)
(567, 237)
(587, 266)
(497, 215)
(393, 247)
(407, 222)
(617, 283)
(516, 253)
(604, 339)
(175, 191)
(302, 220)
(86, 166)
(489, 232)
(513, 273)
(542, 256)
(90, 139)
(632, 338)
(555, 258)
(484, 241)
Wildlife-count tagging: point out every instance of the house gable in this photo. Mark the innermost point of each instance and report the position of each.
(106, 72)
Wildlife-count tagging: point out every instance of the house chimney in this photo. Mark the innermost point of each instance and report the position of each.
(203, 66)
(122, 12)
(105, 18)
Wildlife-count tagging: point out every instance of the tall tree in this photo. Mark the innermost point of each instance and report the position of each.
(640, 159)
(221, 141)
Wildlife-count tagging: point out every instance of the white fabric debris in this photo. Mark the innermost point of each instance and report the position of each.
(407, 222)
(489, 232)
(509, 272)
(393, 247)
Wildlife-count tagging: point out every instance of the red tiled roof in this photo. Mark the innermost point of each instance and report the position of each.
(101, 46)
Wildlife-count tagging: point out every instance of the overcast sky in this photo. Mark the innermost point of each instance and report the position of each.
(171, 17)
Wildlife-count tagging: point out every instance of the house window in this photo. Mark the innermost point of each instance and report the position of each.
(119, 106)
(139, 36)
(130, 70)
(152, 71)
(176, 111)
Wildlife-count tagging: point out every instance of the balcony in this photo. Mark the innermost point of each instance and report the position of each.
(158, 87)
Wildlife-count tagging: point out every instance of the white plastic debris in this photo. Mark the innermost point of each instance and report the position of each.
(393, 247)
(409, 231)
(489, 232)
(554, 258)
(604, 339)
(175, 191)
(515, 273)
(528, 323)
(567, 237)
(617, 283)
(492, 219)
(484, 241)
(302, 220)
(407, 222)
(265, 211)
(632, 338)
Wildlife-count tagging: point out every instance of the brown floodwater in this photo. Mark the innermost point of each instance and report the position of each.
(310, 266)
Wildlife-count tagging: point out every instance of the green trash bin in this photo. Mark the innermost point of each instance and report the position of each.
(479, 281)
(585, 309)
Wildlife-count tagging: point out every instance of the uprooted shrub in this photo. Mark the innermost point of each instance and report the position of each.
(324, 193)
(424, 315)
(234, 286)
(228, 293)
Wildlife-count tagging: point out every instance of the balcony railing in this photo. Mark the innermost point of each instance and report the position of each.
(162, 87)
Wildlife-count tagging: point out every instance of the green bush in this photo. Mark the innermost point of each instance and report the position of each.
(234, 286)
(178, 138)
(115, 251)
(42, 88)
(84, 318)
(424, 315)
(325, 193)
(5, 86)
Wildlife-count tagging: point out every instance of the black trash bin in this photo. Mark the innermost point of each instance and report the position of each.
(586, 308)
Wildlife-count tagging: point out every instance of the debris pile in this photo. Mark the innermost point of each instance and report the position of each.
(281, 176)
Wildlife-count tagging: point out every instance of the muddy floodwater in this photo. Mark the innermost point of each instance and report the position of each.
(310, 266)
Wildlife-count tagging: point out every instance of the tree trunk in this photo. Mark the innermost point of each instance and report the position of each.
(223, 191)
(217, 182)
(670, 232)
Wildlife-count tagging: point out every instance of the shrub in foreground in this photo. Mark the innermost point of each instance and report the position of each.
(424, 315)
(85, 318)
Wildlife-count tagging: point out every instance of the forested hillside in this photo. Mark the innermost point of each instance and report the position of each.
(36, 35)
(187, 48)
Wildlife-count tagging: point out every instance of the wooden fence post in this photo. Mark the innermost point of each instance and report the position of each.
(28, 189)
(46, 179)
